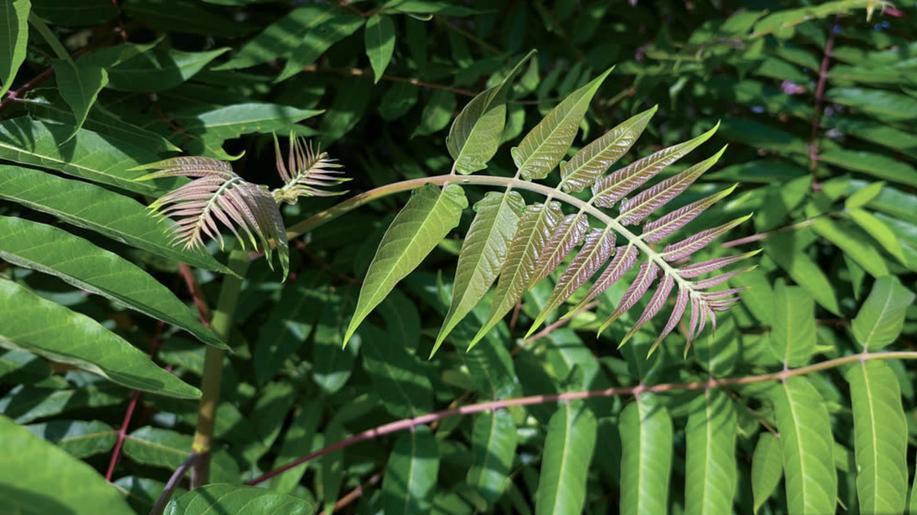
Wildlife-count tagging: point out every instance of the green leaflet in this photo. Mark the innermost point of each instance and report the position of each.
(591, 161)
(786, 251)
(79, 84)
(805, 435)
(78, 437)
(100, 210)
(399, 377)
(482, 256)
(230, 499)
(32, 323)
(880, 437)
(379, 37)
(423, 222)
(544, 146)
(88, 155)
(38, 477)
(854, 243)
(493, 448)
(884, 105)
(301, 438)
(766, 468)
(646, 457)
(532, 233)
(436, 113)
(881, 319)
(159, 70)
(410, 475)
(166, 449)
(78, 262)
(318, 40)
(14, 17)
(793, 327)
(879, 230)
(475, 133)
(710, 466)
(876, 165)
(569, 443)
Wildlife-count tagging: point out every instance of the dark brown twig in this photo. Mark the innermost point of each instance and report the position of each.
(172, 484)
(820, 103)
(355, 494)
(195, 290)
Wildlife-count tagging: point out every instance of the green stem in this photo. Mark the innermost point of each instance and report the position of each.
(485, 180)
(213, 367)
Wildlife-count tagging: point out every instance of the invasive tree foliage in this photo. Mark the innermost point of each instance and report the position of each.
(550, 288)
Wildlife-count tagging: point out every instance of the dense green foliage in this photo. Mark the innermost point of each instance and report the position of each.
(493, 360)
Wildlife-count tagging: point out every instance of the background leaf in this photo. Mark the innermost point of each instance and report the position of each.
(14, 16)
(569, 443)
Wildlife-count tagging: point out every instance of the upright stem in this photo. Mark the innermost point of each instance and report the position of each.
(213, 367)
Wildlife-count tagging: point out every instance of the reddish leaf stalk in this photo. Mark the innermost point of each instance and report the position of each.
(408, 423)
(820, 103)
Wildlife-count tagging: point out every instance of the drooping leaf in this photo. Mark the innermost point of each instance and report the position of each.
(436, 113)
(379, 36)
(482, 256)
(534, 230)
(98, 209)
(410, 475)
(646, 458)
(710, 467)
(569, 443)
(766, 468)
(30, 322)
(793, 330)
(879, 230)
(493, 446)
(546, 144)
(232, 499)
(591, 161)
(318, 40)
(807, 444)
(881, 319)
(284, 332)
(54, 251)
(475, 133)
(14, 17)
(38, 477)
(300, 439)
(880, 437)
(423, 222)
